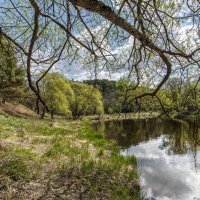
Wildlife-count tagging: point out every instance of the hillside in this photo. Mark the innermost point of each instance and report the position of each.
(16, 109)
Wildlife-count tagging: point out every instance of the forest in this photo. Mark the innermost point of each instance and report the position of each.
(73, 99)
(95, 95)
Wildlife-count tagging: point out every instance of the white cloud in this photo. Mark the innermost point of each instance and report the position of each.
(166, 176)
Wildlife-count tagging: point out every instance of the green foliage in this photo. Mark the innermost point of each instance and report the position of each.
(63, 97)
(103, 85)
(118, 96)
(127, 91)
(88, 100)
(180, 95)
(11, 76)
(58, 94)
(108, 89)
(110, 110)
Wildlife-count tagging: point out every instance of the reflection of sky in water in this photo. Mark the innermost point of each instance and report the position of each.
(163, 176)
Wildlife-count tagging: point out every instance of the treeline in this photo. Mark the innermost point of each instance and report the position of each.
(73, 99)
(61, 96)
(119, 96)
(12, 79)
(64, 97)
(177, 96)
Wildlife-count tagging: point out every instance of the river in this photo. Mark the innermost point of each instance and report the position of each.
(168, 155)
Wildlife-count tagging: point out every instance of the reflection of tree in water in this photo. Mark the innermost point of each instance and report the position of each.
(195, 141)
(177, 137)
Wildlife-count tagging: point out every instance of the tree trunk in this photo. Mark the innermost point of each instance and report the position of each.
(43, 113)
(3, 101)
(52, 114)
(37, 107)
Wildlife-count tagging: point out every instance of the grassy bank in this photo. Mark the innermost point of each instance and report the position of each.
(62, 160)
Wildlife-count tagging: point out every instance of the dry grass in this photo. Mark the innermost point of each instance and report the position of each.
(63, 161)
(16, 109)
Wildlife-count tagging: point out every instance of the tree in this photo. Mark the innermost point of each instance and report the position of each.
(108, 89)
(58, 94)
(127, 91)
(12, 82)
(180, 95)
(88, 100)
(145, 38)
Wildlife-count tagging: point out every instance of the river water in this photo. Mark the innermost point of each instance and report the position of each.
(168, 155)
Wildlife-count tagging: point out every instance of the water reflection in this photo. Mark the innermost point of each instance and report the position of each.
(168, 155)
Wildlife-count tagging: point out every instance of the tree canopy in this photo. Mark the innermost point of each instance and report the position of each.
(88, 100)
(57, 94)
(11, 76)
(63, 97)
(149, 40)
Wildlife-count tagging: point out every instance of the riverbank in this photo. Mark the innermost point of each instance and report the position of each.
(121, 116)
(41, 159)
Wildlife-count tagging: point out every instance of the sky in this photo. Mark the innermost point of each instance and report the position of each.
(78, 72)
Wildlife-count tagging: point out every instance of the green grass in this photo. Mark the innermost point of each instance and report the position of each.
(19, 164)
(70, 153)
(40, 140)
